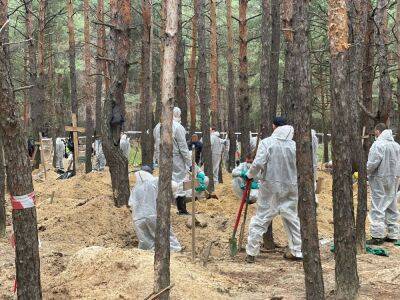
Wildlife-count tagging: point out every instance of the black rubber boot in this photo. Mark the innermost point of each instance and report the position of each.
(181, 205)
(375, 241)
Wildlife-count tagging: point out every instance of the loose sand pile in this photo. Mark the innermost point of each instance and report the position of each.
(88, 250)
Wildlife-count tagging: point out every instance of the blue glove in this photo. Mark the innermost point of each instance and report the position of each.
(243, 174)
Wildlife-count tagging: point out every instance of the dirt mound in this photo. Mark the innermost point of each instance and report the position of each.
(88, 249)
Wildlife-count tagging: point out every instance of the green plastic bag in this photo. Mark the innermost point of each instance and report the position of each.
(201, 177)
(370, 250)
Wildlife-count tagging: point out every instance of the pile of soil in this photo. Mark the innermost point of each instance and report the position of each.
(88, 250)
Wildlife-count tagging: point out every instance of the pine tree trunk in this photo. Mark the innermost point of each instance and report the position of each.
(214, 64)
(346, 276)
(385, 85)
(358, 24)
(302, 121)
(36, 95)
(203, 95)
(244, 101)
(231, 89)
(274, 62)
(162, 246)
(398, 69)
(113, 110)
(192, 73)
(100, 64)
(72, 55)
(19, 176)
(2, 191)
(287, 28)
(265, 104)
(146, 115)
(180, 84)
(88, 88)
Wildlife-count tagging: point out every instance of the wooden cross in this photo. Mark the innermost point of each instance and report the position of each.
(364, 136)
(75, 129)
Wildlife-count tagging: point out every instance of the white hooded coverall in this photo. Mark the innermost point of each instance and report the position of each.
(383, 168)
(238, 181)
(60, 152)
(143, 200)
(125, 146)
(278, 195)
(181, 158)
(216, 152)
(100, 158)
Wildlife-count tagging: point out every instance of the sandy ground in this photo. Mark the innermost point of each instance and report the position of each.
(88, 250)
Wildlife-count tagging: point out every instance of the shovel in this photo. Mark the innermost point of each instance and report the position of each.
(233, 241)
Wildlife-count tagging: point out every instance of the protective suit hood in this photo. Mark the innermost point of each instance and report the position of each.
(143, 176)
(386, 135)
(283, 132)
(177, 114)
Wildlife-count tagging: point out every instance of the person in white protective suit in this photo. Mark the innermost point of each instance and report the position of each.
(216, 153)
(278, 195)
(383, 168)
(60, 153)
(100, 157)
(125, 146)
(238, 182)
(181, 158)
(314, 141)
(143, 200)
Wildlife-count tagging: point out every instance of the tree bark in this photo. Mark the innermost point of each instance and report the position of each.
(192, 72)
(180, 84)
(214, 64)
(100, 64)
(302, 120)
(244, 101)
(358, 23)
(385, 85)
(274, 62)
(36, 96)
(231, 89)
(266, 105)
(162, 245)
(2, 191)
(19, 176)
(146, 115)
(203, 88)
(88, 88)
(398, 69)
(346, 276)
(45, 114)
(287, 28)
(113, 110)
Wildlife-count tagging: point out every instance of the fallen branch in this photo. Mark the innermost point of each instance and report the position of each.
(15, 43)
(153, 296)
(23, 88)
(4, 25)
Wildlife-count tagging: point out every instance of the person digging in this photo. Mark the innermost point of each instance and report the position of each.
(278, 195)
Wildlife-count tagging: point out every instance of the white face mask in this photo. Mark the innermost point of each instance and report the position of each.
(248, 165)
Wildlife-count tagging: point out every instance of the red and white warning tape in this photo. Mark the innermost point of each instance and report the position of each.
(22, 202)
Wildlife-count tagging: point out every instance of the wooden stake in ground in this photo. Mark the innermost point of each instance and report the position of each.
(193, 204)
(75, 129)
(162, 245)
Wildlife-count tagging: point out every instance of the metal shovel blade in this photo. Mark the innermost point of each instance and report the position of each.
(233, 246)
